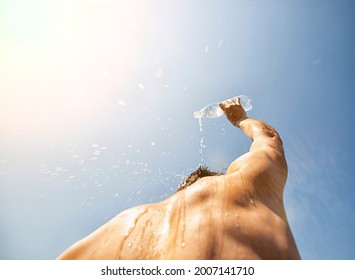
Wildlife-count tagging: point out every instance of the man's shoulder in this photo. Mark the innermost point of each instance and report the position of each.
(261, 160)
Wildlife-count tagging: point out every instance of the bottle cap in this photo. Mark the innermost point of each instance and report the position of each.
(197, 115)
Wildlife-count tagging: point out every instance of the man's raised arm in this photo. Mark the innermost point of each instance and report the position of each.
(263, 135)
(265, 160)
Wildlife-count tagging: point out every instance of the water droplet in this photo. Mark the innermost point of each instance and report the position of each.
(220, 43)
(121, 102)
(251, 201)
(129, 244)
(183, 244)
(158, 72)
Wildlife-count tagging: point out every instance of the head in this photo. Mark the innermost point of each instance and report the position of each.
(200, 172)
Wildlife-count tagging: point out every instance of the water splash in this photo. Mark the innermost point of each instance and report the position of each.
(183, 221)
(129, 231)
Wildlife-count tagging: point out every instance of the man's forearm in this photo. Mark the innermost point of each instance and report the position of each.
(260, 133)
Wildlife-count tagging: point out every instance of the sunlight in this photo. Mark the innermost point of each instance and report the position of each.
(59, 52)
(24, 20)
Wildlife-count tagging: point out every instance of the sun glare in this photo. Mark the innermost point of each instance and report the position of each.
(55, 59)
(24, 20)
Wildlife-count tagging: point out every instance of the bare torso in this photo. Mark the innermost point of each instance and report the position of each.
(218, 217)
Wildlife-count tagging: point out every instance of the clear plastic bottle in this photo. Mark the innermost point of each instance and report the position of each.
(214, 111)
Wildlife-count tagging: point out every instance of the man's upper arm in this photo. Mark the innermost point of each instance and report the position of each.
(263, 165)
(266, 155)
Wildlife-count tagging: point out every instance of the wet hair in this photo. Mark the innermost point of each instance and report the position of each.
(200, 172)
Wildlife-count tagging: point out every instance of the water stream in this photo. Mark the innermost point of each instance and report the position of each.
(202, 145)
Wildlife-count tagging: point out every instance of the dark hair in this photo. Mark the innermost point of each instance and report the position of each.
(200, 172)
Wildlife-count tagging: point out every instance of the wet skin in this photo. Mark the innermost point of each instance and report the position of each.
(239, 215)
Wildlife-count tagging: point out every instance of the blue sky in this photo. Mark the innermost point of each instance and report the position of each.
(97, 102)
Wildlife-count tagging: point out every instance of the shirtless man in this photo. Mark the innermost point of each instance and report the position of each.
(239, 215)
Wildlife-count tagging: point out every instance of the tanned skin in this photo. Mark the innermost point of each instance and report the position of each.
(239, 215)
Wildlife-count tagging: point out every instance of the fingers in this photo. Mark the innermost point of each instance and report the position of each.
(238, 101)
(227, 103)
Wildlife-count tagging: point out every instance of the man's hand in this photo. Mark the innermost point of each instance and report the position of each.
(233, 111)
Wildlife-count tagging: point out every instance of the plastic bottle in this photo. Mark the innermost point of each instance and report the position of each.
(214, 111)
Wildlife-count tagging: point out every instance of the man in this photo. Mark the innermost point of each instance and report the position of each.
(239, 215)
